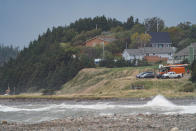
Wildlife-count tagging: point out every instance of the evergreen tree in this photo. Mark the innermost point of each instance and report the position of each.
(193, 71)
(7, 53)
(154, 24)
(130, 22)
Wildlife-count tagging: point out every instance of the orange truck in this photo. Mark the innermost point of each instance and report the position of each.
(177, 68)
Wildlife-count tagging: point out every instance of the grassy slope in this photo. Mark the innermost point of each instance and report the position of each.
(116, 82)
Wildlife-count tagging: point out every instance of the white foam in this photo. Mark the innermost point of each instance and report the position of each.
(160, 101)
(4, 108)
(105, 114)
(157, 103)
(7, 108)
(98, 106)
(188, 110)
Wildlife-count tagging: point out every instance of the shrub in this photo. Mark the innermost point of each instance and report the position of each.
(189, 87)
(107, 63)
(193, 73)
(48, 92)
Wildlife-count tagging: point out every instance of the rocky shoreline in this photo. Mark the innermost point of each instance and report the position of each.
(150, 122)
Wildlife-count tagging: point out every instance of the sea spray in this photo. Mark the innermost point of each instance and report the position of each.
(160, 101)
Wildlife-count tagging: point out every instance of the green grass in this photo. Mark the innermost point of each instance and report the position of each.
(103, 83)
(116, 82)
(166, 87)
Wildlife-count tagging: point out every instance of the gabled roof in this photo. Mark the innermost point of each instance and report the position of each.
(103, 38)
(150, 50)
(164, 50)
(185, 51)
(160, 37)
(108, 39)
(132, 52)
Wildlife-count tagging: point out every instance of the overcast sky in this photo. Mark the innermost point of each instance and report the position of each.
(21, 21)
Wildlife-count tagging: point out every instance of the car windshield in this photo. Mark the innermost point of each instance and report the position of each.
(145, 73)
(149, 72)
(142, 73)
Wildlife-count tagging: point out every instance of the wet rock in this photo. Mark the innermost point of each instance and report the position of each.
(174, 129)
(4, 122)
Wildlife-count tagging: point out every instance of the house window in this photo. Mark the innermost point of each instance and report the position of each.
(169, 54)
(153, 53)
(147, 54)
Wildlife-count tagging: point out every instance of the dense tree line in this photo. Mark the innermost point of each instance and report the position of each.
(7, 53)
(182, 35)
(58, 54)
(102, 23)
(45, 64)
(55, 57)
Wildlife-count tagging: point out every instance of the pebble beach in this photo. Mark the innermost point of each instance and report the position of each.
(139, 122)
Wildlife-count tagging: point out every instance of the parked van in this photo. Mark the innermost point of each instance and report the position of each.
(178, 69)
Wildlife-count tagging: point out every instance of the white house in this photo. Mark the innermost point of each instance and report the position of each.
(185, 53)
(139, 54)
(160, 47)
(131, 54)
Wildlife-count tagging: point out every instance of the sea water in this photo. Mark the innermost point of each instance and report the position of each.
(33, 112)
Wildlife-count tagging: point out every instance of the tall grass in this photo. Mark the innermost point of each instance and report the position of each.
(104, 83)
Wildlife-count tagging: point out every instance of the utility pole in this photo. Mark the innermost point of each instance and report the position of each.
(145, 27)
(103, 50)
(157, 26)
(96, 26)
(14, 90)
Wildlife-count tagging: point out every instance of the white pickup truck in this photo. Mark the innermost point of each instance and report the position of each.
(171, 75)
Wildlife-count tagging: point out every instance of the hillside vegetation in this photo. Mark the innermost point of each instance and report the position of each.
(7, 53)
(117, 83)
(55, 57)
(58, 54)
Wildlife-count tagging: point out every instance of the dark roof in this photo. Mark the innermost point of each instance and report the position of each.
(185, 51)
(150, 50)
(160, 37)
